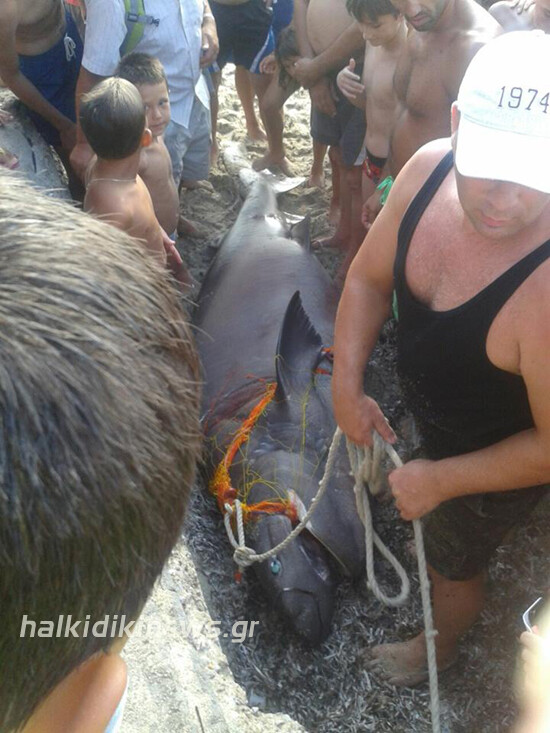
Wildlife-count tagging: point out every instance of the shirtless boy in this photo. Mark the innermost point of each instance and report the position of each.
(40, 55)
(537, 15)
(385, 34)
(112, 116)
(327, 36)
(466, 245)
(155, 167)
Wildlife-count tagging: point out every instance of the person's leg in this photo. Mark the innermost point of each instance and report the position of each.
(271, 110)
(245, 90)
(195, 160)
(356, 229)
(215, 78)
(456, 606)
(317, 174)
(340, 201)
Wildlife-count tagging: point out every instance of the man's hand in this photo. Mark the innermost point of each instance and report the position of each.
(322, 99)
(306, 73)
(415, 488)
(358, 419)
(209, 45)
(349, 83)
(80, 158)
(269, 64)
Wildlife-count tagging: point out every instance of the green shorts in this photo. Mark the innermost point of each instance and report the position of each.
(462, 534)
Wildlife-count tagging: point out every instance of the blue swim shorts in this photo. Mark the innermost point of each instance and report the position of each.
(55, 73)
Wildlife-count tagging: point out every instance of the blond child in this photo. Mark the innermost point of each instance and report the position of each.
(112, 116)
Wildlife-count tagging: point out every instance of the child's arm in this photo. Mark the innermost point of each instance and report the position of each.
(349, 83)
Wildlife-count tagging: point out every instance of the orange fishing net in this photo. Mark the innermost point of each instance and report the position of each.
(220, 484)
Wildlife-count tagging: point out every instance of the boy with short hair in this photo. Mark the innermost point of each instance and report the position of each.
(98, 464)
(155, 167)
(385, 32)
(112, 116)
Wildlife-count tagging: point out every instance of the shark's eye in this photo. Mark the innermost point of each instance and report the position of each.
(275, 566)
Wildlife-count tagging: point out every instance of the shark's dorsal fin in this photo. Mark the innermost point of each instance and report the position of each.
(301, 232)
(297, 351)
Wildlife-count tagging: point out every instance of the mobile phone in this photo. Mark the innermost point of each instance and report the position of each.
(529, 616)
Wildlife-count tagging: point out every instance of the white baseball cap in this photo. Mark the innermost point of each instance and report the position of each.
(504, 103)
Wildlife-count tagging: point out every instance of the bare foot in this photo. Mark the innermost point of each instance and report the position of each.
(334, 242)
(405, 664)
(256, 134)
(268, 161)
(194, 185)
(187, 228)
(316, 180)
(8, 160)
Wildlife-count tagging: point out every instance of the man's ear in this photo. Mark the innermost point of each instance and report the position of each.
(146, 138)
(455, 117)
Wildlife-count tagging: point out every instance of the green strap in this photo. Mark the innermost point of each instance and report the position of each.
(134, 13)
(385, 187)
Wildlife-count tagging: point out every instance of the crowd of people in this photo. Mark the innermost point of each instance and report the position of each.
(435, 117)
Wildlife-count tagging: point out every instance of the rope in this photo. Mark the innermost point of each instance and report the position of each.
(245, 556)
(366, 466)
(365, 463)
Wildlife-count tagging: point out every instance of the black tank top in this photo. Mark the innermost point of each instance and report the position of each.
(461, 401)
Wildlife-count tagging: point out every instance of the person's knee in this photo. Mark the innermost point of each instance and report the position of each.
(335, 155)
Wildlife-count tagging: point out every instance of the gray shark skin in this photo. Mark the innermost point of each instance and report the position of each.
(265, 311)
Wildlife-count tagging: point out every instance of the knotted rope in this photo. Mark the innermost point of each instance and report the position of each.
(365, 465)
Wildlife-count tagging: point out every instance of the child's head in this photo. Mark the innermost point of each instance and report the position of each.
(378, 20)
(99, 408)
(112, 116)
(286, 53)
(147, 74)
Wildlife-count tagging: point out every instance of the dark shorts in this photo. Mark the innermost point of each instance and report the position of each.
(461, 535)
(346, 130)
(55, 73)
(282, 17)
(242, 31)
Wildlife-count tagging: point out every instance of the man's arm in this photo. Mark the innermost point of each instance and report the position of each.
(19, 84)
(82, 153)
(210, 44)
(299, 22)
(349, 43)
(365, 305)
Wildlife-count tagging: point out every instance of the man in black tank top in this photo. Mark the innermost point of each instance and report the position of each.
(464, 239)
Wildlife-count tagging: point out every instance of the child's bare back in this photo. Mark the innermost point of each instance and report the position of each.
(126, 204)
